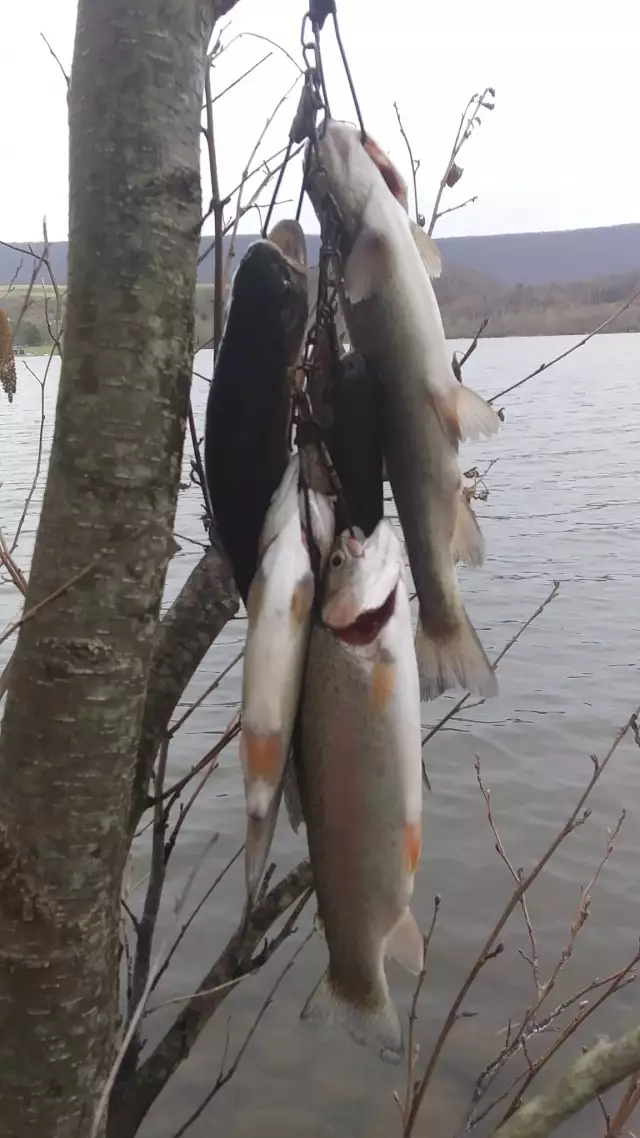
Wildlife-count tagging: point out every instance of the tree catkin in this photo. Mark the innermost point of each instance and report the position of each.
(8, 377)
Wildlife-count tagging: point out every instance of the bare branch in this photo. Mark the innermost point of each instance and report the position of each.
(244, 75)
(134, 1020)
(66, 77)
(576, 819)
(240, 209)
(458, 364)
(563, 355)
(468, 121)
(601, 1068)
(207, 600)
(205, 695)
(74, 580)
(226, 1075)
(507, 648)
(415, 166)
(218, 218)
(185, 928)
(13, 279)
(133, 1100)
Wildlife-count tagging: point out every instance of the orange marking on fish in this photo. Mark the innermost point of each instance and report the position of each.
(302, 600)
(261, 756)
(382, 682)
(411, 844)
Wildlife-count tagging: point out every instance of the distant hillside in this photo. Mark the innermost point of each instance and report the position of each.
(509, 258)
(560, 255)
(467, 293)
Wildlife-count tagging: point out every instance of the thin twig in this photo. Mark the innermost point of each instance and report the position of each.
(627, 1106)
(36, 474)
(148, 921)
(192, 916)
(626, 975)
(412, 1051)
(244, 75)
(469, 119)
(137, 1015)
(576, 819)
(240, 210)
(218, 218)
(66, 77)
(212, 687)
(13, 569)
(563, 355)
(507, 648)
(415, 166)
(594, 1073)
(226, 1075)
(458, 364)
(62, 589)
(227, 737)
(515, 873)
(13, 279)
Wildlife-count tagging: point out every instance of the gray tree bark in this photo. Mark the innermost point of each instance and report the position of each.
(72, 724)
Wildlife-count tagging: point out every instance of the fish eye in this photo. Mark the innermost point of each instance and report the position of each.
(338, 559)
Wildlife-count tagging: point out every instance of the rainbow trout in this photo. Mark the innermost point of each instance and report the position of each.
(360, 781)
(394, 321)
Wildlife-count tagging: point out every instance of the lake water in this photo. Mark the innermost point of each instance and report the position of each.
(563, 504)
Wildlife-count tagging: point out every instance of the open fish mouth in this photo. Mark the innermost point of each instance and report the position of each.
(369, 624)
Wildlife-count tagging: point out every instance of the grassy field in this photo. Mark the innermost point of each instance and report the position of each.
(465, 297)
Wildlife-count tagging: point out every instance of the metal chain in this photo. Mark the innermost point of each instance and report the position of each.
(313, 99)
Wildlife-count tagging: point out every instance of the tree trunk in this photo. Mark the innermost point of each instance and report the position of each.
(74, 709)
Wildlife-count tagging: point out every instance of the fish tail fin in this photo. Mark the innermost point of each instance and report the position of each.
(259, 837)
(372, 1024)
(457, 661)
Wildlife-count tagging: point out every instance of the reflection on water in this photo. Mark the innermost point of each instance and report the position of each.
(563, 504)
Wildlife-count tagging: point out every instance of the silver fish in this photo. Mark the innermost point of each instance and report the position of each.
(394, 321)
(360, 784)
(279, 612)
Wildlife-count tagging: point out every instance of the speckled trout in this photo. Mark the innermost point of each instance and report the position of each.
(394, 321)
(278, 611)
(360, 782)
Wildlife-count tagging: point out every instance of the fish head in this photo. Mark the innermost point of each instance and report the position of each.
(350, 169)
(288, 236)
(390, 173)
(270, 288)
(360, 584)
(341, 169)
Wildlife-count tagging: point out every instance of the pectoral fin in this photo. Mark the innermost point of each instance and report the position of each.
(467, 544)
(367, 265)
(476, 417)
(406, 943)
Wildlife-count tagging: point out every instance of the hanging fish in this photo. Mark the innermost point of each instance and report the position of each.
(279, 614)
(360, 782)
(398, 187)
(249, 405)
(355, 443)
(393, 319)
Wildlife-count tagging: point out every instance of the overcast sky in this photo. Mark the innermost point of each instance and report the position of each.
(559, 151)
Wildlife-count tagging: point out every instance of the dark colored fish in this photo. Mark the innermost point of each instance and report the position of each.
(248, 410)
